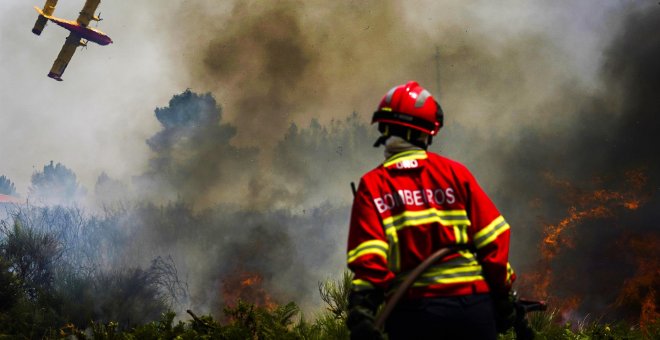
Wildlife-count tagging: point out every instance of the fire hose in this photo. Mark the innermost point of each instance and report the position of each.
(410, 279)
(522, 306)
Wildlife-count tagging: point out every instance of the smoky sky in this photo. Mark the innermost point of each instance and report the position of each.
(285, 61)
(633, 74)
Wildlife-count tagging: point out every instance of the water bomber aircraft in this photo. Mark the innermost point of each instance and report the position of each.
(80, 34)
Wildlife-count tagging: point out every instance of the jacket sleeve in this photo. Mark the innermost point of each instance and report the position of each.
(367, 245)
(491, 235)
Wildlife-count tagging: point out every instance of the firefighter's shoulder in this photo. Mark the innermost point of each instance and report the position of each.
(449, 164)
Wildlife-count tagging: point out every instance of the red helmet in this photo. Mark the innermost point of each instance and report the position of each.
(412, 106)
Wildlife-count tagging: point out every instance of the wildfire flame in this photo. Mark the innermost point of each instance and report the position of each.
(641, 288)
(248, 287)
(588, 205)
(251, 280)
(649, 311)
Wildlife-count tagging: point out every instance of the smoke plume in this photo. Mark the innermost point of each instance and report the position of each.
(594, 183)
(541, 126)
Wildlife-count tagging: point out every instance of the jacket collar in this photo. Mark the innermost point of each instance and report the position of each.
(406, 159)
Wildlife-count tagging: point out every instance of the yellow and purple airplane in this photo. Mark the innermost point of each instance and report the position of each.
(79, 36)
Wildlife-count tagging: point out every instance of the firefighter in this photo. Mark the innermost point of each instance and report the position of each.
(413, 204)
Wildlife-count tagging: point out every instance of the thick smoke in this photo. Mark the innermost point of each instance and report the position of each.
(519, 113)
(274, 63)
(56, 184)
(270, 73)
(280, 62)
(193, 158)
(602, 169)
(632, 72)
(227, 217)
(617, 247)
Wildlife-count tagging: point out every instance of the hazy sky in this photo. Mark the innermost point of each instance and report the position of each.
(98, 118)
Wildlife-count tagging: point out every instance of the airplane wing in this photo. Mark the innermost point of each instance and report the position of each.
(48, 10)
(72, 42)
(49, 7)
(87, 13)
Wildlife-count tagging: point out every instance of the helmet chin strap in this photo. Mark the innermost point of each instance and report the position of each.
(382, 140)
(419, 143)
(414, 137)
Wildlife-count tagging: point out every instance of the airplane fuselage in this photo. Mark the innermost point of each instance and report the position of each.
(86, 33)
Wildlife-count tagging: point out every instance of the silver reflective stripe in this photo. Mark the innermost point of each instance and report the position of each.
(428, 216)
(388, 96)
(454, 217)
(421, 99)
(425, 281)
(408, 219)
(467, 259)
(482, 238)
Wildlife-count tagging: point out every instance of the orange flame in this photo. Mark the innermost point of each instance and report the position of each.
(649, 313)
(251, 280)
(640, 290)
(567, 308)
(583, 206)
(246, 286)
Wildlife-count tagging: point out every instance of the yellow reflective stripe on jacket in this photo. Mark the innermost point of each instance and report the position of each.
(460, 232)
(406, 155)
(509, 273)
(456, 275)
(394, 256)
(465, 268)
(467, 258)
(456, 218)
(369, 247)
(414, 218)
(491, 232)
(359, 284)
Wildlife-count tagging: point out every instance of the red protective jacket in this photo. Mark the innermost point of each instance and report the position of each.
(415, 203)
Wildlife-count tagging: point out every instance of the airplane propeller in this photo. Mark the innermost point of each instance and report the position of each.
(97, 19)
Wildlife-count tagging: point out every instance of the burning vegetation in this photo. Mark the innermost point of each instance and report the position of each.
(145, 248)
(127, 265)
(244, 286)
(587, 213)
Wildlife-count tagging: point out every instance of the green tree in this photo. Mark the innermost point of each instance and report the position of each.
(6, 186)
(55, 184)
(31, 255)
(192, 154)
